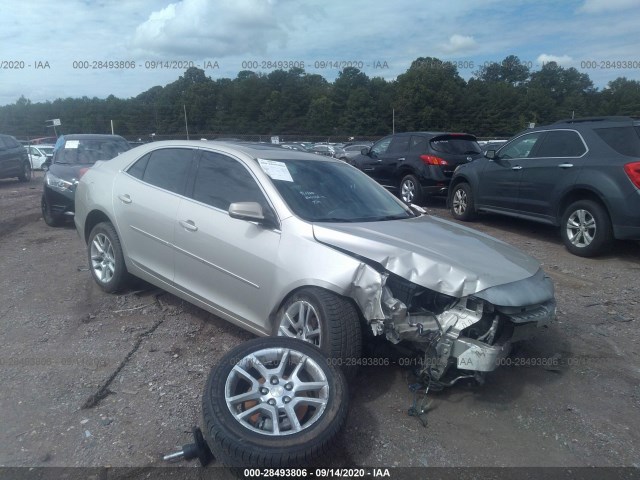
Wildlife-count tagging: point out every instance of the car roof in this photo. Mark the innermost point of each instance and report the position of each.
(264, 151)
(434, 134)
(89, 136)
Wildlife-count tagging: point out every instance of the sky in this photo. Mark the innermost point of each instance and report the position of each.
(97, 48)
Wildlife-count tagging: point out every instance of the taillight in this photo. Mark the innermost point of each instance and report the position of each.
(633, 172)
(433, 160)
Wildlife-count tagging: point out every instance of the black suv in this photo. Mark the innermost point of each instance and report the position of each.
(582, 175)
(73, 155)
(14, 159)
(416, 164)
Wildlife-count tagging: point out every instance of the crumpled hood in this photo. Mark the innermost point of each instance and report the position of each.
(431, 252)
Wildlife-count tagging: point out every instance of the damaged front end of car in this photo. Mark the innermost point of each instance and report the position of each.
(453, 337)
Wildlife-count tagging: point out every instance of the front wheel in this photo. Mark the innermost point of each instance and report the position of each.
(106, 261)
(25, 174)
(273, 403)
(325, 320)
(410, 190)
(462, 202)
(586, 228)
(48, 216)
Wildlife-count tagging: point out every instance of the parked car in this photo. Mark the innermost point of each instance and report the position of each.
(73, 156)
(582, 175)
(38, 155)
(286, 243)
(14, 160)
(323, 149)
(417, 164)
(351, 151)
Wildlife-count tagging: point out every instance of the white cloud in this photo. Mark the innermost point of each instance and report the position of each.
(203, 28)
(599, 6)
(563, 60)
(459, 44)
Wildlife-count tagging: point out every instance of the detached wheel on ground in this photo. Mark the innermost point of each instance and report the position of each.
(106, 261)
(462, 202)
(586, 228)
(410, 190)
(48, 216)
(273, 402)
(25, 174)
(325, 320)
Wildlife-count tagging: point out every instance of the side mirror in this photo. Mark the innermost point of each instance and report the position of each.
(490, 154)
(365, 151)
(252, 212)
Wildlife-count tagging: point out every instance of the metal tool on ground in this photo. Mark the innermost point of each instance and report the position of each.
(199, 449)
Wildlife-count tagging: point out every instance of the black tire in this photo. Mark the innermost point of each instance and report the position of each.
(410, 190)
(48, 216)
(586, 228)
(462, 203)
(338, 321)
(106, 261)
(25, 175)
(239, 442)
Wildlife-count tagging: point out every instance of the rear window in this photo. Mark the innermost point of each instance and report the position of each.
(455, 145)
(624, 140)
(89, 151)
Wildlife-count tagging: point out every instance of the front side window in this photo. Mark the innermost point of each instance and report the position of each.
(521, 147)
(168, 168)
(381, 147)
(221, 181)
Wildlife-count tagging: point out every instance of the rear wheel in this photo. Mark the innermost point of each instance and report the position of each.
(274, 403)
(106, 261)
(462, 202)
(586, 228)
(410, 190)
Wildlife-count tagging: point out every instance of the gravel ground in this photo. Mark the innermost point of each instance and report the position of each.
(91, 379)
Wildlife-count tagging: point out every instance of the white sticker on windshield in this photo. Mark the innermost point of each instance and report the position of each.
(72, 144)
(276, 170)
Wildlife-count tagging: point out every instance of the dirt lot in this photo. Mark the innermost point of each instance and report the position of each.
(91, 379)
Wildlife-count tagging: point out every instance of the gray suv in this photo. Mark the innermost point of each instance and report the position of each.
(14, 160)
(582, 175)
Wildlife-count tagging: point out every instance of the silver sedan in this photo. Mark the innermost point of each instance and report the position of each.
(286, 243)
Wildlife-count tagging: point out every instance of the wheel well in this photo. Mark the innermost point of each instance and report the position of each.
(94, 218)
(403, 173)
(274, 314)
(574, 196)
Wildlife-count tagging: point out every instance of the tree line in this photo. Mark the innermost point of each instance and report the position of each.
(499, 100)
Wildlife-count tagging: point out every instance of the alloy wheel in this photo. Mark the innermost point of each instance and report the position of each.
(581, 228)
(301, 320)
(103, 261)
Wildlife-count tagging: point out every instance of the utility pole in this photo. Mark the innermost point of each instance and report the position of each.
(186, 125)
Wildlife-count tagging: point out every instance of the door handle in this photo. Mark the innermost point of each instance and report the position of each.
(517, 167)
(401, 159)
(566, 165)
(189, 225)
(124, 198)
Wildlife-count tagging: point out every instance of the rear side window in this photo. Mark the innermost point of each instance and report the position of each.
(399, 145)
(418, 144)
(455, 145)
(168, 169)
(561, 143)
(624, 140)
(138, 168)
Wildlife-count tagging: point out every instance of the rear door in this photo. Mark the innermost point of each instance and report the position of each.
(392, 159)
(146, 200)
(553, 167)
(500, 178)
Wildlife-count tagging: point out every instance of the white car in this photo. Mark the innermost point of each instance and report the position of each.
(38, 154)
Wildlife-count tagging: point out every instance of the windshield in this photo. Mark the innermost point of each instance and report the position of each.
(46, 150)
(89, 151)
(332, 192)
